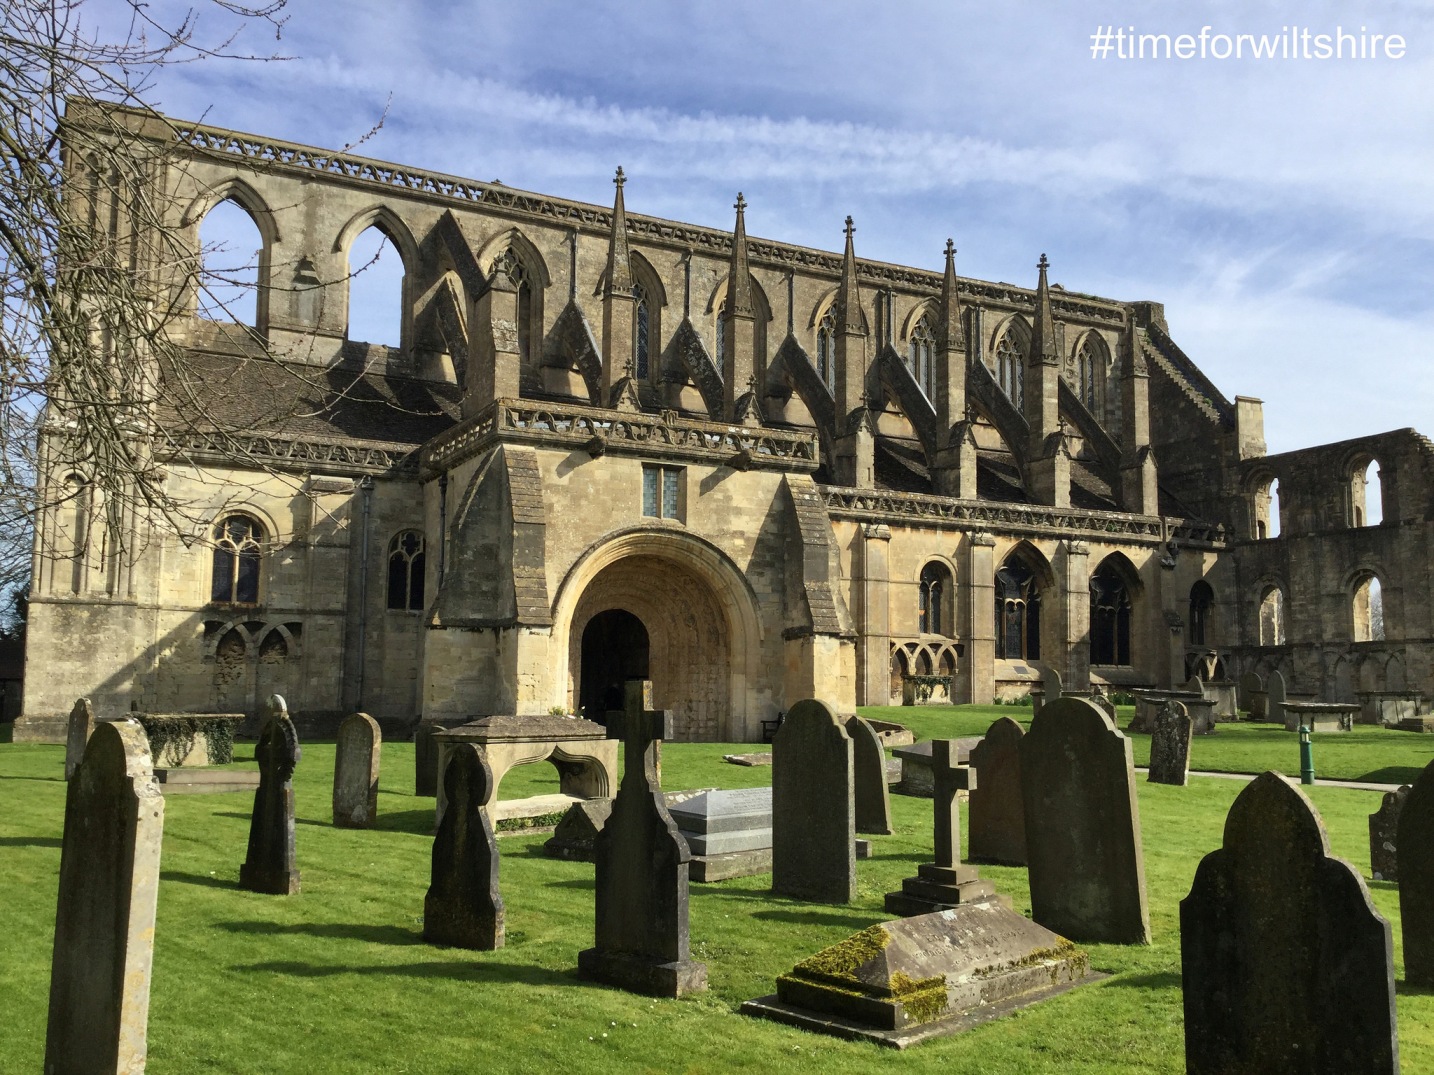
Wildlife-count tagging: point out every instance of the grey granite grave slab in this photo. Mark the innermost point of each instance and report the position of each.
(1287, 968)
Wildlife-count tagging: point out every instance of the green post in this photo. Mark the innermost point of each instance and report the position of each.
(1306, 756)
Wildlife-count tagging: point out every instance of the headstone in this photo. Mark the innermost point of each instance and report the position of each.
(1104, 704)
(575, 837)
(728, 832)
(642, 941)
(872, 796)
(813, 814)
(356, 763)
(1170, 746)
(946, 882)
(1384, 836)
(104, 920)
(1246, 687)
(81, 727)
(270, 865)
(1416, 879)
(1275, 698)
(1287, 968)
(464, 907)
(997, 817)
(901, 982)
(1087, 875)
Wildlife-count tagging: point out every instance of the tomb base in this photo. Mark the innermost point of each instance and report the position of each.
(205, 781)
(939, 888)
(733, 864)
(269, 882)
(637, 974)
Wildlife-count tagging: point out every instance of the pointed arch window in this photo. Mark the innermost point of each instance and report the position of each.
(376, 289)
(405, 571)
(1090, 373)
(934, 590)
(1109, 617)
(921, 353)
(1369, 610)
(1202, 600)
(1009, 368)
(642, 330)
(1272, 617)
(234, 577)
(826, 347)
(720, 350)
(234, 258)
(1018, 613)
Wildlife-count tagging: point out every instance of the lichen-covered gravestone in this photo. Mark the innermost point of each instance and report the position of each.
(1416, 879)
(464, 907)
(356, 762)
(270, 865)
(871, 793)
(1170, 745)
(997, 816)
(642, 942)
(1384, 836)
(813, 812)
(81, 727)
(1287, 967)
(1086, 872)
(104, 920)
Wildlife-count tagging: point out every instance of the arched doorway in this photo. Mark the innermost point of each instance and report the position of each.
(614, 649)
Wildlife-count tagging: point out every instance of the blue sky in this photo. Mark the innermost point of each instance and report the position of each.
(1280, 209)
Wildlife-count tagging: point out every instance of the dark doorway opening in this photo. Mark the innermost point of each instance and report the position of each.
(614, 650)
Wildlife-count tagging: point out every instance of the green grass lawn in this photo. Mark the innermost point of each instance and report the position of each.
(338, 979)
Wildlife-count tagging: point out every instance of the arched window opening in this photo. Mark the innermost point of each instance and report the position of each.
(405, 571)
(235, 576)
(231, 249)
(720, 340)
(826, 348)
(921, 353)
(1090, 373)
(1018, 612)
(508, 262)
(1009, 367)
(1272, 617)
(1369, 610)
(1109, 617)
(642, 331)
(376, 273)
(1202, 600)
(1267, 511)
(1366, 495)
(74, 539)
(935, 590)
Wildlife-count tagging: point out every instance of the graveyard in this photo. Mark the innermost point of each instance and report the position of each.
(338, 977)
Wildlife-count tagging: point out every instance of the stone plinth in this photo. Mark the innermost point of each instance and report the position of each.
(728, 832)
(586, 760)
(902, 982)
(1287, 968)
(1148, 703)
(1321, 716)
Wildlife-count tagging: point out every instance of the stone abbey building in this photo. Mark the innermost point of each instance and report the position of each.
(610, 445)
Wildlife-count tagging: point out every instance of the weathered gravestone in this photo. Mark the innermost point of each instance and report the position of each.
(642, 942)
(871, 793)
(947, 882)
(1246, 687)
(356, 772)
(813, 814)
(81, 727)
(1275, 698)
(1415, 845)
(997, 818)
(1050, 689)
(1083, 826)
(270, 865)
(1170, 745)
(575, 837)
(104, 920)
(464, 908)
(1287, 968)
(1384, 836)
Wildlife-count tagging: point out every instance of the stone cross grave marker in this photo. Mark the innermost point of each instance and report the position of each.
(270, 865)
(1415, 845)
(642, 942)
(1170, 745)
(1087, 873)
(356, 762)
(464, 906)
(104, 920)
(813, 809)
(1275, 698)
(997, 819)
(871, 793)
(1384, 836)
(1287, 968)
(946, 882)
(81, 727)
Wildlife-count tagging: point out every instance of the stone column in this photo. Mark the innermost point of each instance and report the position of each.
(1075, 662)
(979, 628)
(873, 588)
